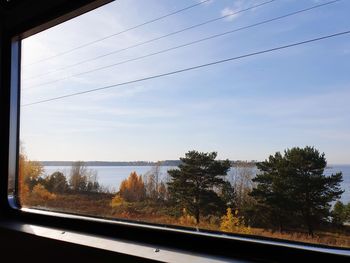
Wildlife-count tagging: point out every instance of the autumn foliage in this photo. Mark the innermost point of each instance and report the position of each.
(27, 172)
(231, 222)
(39, 191)
(186, 219)
(117, 201)
(132, 189)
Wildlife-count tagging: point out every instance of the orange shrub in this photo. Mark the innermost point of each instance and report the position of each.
(39, 191)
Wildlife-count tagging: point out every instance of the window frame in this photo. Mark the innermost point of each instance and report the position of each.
(179, 239)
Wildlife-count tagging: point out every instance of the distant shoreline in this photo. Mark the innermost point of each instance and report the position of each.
(129, 163)
(107, 163)
(148, 163)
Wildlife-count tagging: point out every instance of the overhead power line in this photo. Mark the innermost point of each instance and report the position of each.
(190, 68)
(186, 44)
(118, 33)
(157, 38)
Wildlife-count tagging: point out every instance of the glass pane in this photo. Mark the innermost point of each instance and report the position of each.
(230, 116)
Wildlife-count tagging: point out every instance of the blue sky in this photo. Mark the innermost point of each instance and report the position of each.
(245, 109)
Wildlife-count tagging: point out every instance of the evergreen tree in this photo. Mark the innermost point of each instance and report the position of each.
(56, 183)
(196, 183)
(312, 191)
(339, 214)
(272, 191)
(294, 186)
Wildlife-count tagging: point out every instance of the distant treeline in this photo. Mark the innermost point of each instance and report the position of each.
(131, 163)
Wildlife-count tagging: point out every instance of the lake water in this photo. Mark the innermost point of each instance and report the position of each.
(112, 176)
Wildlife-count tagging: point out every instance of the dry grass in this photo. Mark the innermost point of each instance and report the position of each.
(323, 238)
(100, 205)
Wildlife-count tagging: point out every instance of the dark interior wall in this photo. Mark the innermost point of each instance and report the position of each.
(23, 16)
(4, 107)
(22, 247)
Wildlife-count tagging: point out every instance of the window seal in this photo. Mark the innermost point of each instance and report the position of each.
(189, 231)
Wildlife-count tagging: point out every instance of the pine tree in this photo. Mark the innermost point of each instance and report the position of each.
(272, 191)
(196, 183)
(56, 182)
(294, 186)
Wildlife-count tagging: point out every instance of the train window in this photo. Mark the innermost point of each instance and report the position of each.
(228, 116)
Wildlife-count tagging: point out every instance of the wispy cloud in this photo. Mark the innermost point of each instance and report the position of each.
(230, 12)
(227, 11)
(206, 3)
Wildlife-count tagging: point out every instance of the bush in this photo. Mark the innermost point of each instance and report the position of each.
(39, 191)
(117, 201)
(186, 219)
(233, 223)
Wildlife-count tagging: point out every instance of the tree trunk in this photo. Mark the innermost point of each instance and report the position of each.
(197, 215)
(310, 229)
(280, 227)
(280, 224)
(310, 226)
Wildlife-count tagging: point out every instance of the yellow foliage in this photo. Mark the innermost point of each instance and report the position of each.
(186, 219)
(40, 191)
(133, 188)
(22, 187)
(233, 223)
(117, 201)
(27, 170)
